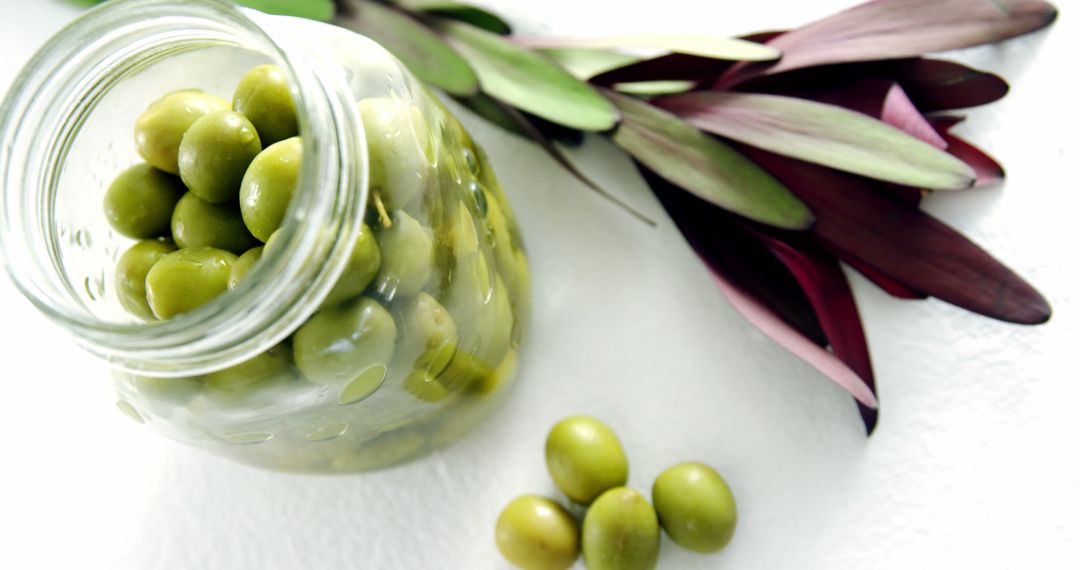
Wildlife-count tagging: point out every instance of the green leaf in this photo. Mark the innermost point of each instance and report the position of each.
(322, 10)
(425, 53)
(823, 134)
(705, 46)
(458, 11)
(588, 63)
(529, 81)
(705, 166)
(493, 112)
(653, 88)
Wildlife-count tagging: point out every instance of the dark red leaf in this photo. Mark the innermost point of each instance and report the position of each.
(987, 170)
(722, 256)
(938, 85)
(898, 111)
(932, 84)
(673, 66)
(905, 243)
(886, 283)
(720, 238)
(825, 285)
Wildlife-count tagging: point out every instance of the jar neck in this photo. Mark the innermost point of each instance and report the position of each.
(63, 84)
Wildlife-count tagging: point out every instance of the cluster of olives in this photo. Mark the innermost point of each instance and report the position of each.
(216, 183)
(621, 530)
(207, 204)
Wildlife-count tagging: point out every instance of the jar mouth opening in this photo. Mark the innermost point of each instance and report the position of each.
(67, 82)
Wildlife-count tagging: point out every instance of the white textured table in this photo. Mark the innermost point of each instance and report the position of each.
(972, 466)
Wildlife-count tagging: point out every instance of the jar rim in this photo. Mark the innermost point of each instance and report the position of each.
(77, 66)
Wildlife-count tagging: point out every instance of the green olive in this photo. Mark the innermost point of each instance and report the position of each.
(535, 533)
(585, 458)
(338, 344)
(400, 149)
(480, 305)
(215, 153)
(187, 279)
(364, 261)
(160, 128)
(198, 223)
(263, 97)
(243, 265)
(140, 202)
(427, 331)
(621, 532)
(273, 364)
(131, 270)
(268, 187)
(407, 257)
(695, 506)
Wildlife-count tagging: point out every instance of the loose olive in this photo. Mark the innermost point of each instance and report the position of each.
(215, 153)
(268, 186)
(407, 257)
(198, 223)
(621, 532)
(160, 128)
(585, 458)
(263, 97)
(140, 201)
(695, 506)
(363, 265)
(535, 533)
(337, 344)
(400, 149)
(273, 364)
(187, 279)
(243, 265)
(131, 270)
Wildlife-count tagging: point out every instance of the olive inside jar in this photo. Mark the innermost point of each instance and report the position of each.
(307, 362)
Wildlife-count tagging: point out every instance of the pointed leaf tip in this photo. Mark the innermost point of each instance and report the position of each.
(891, 29)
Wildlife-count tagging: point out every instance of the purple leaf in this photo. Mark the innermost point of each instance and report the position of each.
(898, 111)
(674, 66)
(825, 285)
(938, 85)
(932, 84)
(906, 244)
(886, 283)
(892, 29)
(710, 232)
(824, 134)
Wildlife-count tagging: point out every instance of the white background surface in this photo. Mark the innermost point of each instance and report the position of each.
(972, 466)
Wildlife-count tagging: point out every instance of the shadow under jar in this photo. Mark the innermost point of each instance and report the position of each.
(412, 362)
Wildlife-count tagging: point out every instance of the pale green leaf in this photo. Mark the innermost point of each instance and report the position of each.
(824, 134)
(705, 166)
(588, 63)
(705, 46)
(529, 81)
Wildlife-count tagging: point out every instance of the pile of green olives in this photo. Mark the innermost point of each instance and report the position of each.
(435, 284)
(621, 530)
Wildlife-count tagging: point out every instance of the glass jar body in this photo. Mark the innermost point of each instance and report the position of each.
(347, 371)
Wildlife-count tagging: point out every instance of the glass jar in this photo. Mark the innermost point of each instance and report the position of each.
(417, 359)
